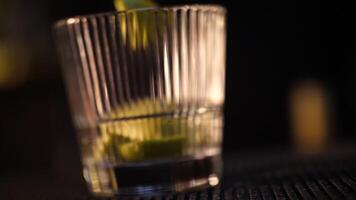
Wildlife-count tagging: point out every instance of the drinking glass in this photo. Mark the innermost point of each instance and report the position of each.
(146, 90)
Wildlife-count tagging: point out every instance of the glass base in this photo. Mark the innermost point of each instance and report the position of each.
(160, 177)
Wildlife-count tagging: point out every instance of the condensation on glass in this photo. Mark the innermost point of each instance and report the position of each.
(146, 90)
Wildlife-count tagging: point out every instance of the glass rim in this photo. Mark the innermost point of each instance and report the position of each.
(195, 7)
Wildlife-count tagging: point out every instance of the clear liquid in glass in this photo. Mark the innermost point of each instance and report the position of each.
(159, 153)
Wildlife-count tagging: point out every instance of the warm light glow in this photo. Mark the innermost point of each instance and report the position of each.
(309, 116)
(72, 21)
(14, 64)
(216, 95)
(213, 180)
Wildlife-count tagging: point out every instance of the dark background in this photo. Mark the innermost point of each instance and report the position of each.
(270, 46)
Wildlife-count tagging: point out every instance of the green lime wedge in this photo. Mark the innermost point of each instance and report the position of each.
(130, 152)
(152, 149)
(168, 146)
(148, 138)
(110, 147)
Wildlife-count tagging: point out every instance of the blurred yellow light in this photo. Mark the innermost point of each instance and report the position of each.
(14, 63)
(309, 116)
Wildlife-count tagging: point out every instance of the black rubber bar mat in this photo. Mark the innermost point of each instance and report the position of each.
(267, 176)
(279, 177)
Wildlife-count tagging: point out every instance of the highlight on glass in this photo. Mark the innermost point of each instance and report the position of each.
(146, 89)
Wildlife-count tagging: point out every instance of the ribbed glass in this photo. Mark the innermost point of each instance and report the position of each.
(146, 87)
